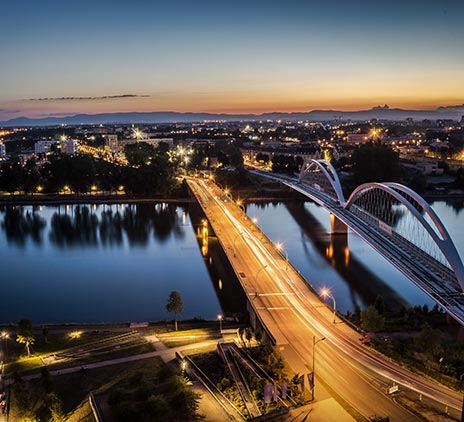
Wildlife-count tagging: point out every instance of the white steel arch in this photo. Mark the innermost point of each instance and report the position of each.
(329, 172)
(437, 232)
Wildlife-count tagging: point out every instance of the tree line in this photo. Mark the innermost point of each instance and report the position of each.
(150, 172)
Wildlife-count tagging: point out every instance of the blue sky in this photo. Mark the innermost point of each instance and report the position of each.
(228, 56)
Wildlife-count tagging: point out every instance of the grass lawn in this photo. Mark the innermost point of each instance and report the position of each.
(73, 389)
(83, 348)
(184, 337)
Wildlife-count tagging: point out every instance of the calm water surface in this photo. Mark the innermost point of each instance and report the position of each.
(355, 275)
(107, 263)
(101, 263)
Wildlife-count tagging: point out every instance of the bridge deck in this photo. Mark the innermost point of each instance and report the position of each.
(291, 314)
(431, 276)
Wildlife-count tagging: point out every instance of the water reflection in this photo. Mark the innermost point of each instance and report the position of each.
(78, 228)
(226, 285)
(110, 228)
(19, 225)
(360, 280)
(101, 263)
(92, 225)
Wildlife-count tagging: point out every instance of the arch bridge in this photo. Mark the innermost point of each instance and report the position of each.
(398, 223)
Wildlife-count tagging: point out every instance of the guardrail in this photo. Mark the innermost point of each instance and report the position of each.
(95, 409)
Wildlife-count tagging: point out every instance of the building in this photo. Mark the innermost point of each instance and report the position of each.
(429, 169)
(148, 140)
(66, 146)
(69, 146)
(42, 147)
(358, 138)
(2, 150)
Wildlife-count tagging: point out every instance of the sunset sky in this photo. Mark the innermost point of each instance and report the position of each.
(67, 57)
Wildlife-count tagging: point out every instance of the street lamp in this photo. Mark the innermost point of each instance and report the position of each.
(4, 335)
(183, 366)
(314, 362)
(325, 292)
(280, 248)
(239, 202)
(256, 276)
(219, 317)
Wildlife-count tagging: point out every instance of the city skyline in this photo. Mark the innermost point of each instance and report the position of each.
(64, 59)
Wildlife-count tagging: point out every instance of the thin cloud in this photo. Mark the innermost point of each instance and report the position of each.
(6, 111)
(104, 97)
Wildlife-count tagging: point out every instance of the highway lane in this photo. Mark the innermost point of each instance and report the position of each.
(294, 314)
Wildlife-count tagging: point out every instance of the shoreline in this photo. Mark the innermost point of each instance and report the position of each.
(18, 200)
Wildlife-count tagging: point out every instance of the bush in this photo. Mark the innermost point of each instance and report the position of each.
(157, 406)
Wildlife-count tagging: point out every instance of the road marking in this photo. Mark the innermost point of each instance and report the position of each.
(276, 308)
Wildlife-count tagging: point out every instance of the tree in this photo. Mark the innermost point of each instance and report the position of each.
(11, 174)
(248, 335)
(429, 340)
(139, 153)
(24, 334)
(375, 163)
(371, 320)
(45, 333)
(175, 305)
(380, 305)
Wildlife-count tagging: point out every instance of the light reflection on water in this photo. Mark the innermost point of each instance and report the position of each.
(80, 263)
(353, 271)
(105, 263)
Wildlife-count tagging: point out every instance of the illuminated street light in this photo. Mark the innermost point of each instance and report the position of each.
(183, 366)
(256, 276)
(314, 363)
(325, 292)
(219, 317)
(137, 134)
(4, 335)
(280, 248)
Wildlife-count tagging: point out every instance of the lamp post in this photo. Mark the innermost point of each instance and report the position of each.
(183, 366)
(219, 317)
(326, 293)
(314, 362)
(256, 276)
(281, 248)
(4, 336)
(240, 205)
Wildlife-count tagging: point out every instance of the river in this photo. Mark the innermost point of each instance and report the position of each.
(113, 263)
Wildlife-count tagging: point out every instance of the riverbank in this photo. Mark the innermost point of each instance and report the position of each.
(38, 199)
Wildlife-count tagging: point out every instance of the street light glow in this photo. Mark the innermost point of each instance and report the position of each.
(325, 292)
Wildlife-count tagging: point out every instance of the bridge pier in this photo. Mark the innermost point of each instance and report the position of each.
(337, 226)
(338, 250)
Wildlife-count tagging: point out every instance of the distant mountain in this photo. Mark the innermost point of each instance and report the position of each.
(379, 112)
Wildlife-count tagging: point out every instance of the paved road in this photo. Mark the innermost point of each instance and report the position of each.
(357, 377)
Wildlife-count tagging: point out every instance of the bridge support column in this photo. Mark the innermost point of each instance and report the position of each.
(337, 226)
(338, 251)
